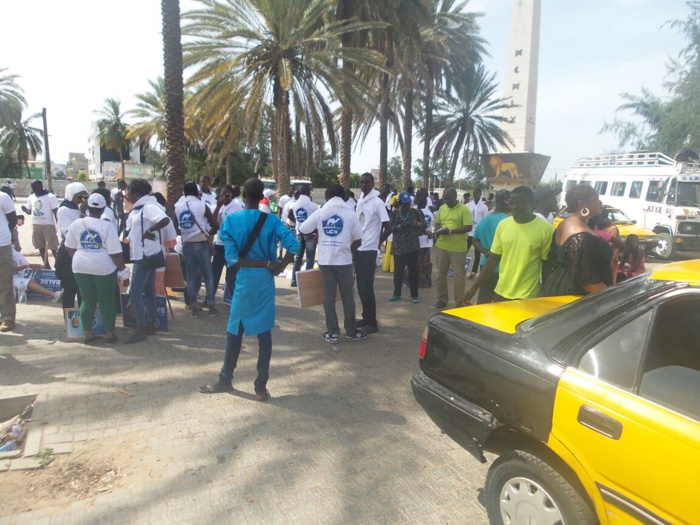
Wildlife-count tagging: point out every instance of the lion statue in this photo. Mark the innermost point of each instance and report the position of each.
(504, 167)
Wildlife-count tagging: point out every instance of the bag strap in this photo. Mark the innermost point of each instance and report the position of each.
(253, 235)
(195, 219)
(142, 241)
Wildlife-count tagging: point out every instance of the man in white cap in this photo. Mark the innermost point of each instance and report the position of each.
(71, 209)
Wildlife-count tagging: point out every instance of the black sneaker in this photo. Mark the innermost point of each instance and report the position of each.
(371, 329)
(194, 311)
(213, 312)
(330, 338)
(357, 336)
(151, 329)
(136, 337)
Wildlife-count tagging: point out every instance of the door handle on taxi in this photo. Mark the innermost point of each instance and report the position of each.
(599, 422)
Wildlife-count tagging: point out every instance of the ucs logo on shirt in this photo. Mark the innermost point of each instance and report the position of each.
(428, 220)
(186, 220)
(90, 240)
(302, 215)
(333, 226)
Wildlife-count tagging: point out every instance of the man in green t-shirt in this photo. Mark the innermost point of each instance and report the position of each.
(521, 243)
(453, 222)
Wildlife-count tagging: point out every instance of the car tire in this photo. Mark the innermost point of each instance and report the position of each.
(666, 247)
(524, 488)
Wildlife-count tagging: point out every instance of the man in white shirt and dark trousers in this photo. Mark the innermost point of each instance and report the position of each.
(371, 211)
(479, 210)
(42, 206)
(339, 233)
(302, 209)
(8, 219)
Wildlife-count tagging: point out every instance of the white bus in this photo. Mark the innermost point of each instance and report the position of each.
(657, 192)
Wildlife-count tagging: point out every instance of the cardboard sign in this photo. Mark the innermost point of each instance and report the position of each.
(74, 327)
(46, 278)
(310, 288)
(173, 272)
(129, 316)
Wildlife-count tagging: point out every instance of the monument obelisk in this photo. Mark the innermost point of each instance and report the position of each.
(520, 89)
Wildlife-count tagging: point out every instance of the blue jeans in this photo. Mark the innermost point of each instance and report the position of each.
(197, 258)
(308, 247)
(233, 350)
(143, 282)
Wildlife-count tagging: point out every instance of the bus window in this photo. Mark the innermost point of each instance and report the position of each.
(601, 187)
(655, 193)
(636, 189)
(671, 197)
(570, 184)
(618, 189)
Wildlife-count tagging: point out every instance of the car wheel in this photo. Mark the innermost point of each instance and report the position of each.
(665, 249)
(523, 488)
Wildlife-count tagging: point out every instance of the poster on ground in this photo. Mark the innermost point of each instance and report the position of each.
(129, 317)
(74, 327)
(46, 278)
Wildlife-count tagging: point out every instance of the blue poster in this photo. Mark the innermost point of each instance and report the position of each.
(161, 312)
(47, 279)
(74, 327)
(228, 296)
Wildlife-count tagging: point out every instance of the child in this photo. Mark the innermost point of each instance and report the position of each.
(633, 258)
(22, 283)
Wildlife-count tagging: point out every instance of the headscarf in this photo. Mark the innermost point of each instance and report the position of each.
(73, 188)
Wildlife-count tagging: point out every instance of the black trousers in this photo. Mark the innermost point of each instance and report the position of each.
(365, 266)
(400, 263)
(477, 255)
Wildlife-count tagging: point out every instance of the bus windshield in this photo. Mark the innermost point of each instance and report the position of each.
(688, 193)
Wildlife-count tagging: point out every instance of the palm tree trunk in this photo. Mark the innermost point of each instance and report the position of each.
(406, 151)
(455, 156)
(427, 136)
(229, 167)
(309, 150)
(174, 112)
(26, 164)
(299, 160)
(281, 131)
(345, 147)
(384, 133)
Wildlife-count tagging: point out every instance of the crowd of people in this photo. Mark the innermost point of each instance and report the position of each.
(517, 252)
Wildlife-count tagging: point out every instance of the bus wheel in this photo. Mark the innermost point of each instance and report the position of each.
(666, 248)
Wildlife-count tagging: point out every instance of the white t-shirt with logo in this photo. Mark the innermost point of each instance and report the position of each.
(152, 213)
(6, 206)
(94, 241)
(338, 227)
(225, 211)
(42, 208)
(209, 199)
(425, 241)
(302, 209)
(372, 213)
(191, 216)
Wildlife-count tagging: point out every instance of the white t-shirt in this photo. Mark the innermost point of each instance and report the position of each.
(209, 199)
(18, 260)
(425, 241)
(191, 216)
(113, 193)
(479, 211)
(303, 208)
(42, 208)
(225, 211)
(152, 213)
(285, 213)
(283, 202)
(66, 216)
(93, 240)
(549, 219)
(108, 215)
(338, 227)
(372, 213)
(6, 206)
(351, 204)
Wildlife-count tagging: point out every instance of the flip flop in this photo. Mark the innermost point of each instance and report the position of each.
(262, 396)
(92, 340)
(216, 388)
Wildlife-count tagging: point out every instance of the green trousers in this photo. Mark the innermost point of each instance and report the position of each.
(102, 290)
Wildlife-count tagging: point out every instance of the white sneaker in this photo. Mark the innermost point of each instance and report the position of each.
(57, 296)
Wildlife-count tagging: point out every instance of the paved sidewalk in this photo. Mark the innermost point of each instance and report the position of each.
(341, 440)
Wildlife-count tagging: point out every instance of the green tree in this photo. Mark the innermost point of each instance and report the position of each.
(111, 128)
(12, 100)
(469, 120)
(255, 54)
(23, 140)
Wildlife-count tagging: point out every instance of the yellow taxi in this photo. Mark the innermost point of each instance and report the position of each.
(592, 404)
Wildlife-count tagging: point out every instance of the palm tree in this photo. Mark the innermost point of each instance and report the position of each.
(111, 128)
(12, 100)
(468, 119)
(23, 140)
(258, 54)
(174, 99)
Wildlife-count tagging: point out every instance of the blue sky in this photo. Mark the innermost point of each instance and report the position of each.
(73, 54)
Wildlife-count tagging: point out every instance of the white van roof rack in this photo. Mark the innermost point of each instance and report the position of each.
(642, 158)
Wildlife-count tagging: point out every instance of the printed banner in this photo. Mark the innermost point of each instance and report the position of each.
(46, 278)
(129, 317)
(74, 327)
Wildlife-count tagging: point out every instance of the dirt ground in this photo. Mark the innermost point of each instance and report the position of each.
(94, 468)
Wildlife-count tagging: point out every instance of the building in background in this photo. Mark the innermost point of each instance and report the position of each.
(105, 164)
(77, 162)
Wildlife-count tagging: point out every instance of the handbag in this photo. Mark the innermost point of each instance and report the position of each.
(231, 275)
(210, 239)
(155, 261)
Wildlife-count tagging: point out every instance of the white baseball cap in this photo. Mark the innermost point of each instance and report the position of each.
(96, 201)
(268, 193)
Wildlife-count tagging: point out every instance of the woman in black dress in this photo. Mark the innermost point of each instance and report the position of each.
(581, 258)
